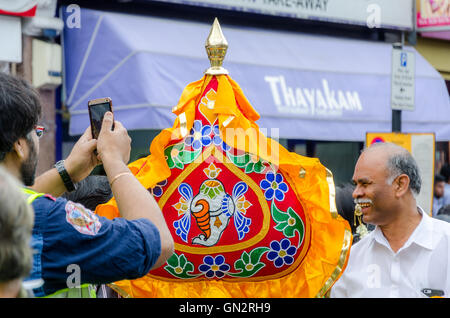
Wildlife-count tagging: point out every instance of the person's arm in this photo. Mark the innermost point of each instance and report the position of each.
(133, 200)
(79, 164)
(104, 251)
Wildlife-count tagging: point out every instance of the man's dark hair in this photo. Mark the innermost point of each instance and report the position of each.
(445, 172)
(344, 202)
(20, 110)
(439, 178)
(404, 163)
(91, 191)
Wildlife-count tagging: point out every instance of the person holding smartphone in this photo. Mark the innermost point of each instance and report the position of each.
(73, 245)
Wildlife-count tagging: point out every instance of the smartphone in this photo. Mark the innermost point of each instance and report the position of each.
(97, 109)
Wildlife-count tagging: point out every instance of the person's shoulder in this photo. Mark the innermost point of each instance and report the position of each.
(44, 202)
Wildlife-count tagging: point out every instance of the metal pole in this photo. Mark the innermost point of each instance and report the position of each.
(397, 114)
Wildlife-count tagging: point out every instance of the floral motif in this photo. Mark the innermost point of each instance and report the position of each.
(242, 204)
(249, 264)
(287, 222)
(281, 253)
(273, 186)
(183, 225)
(214, 266)
(255, 164)
(212, 172)
(157, 190)
(181, 206)
(218, 141)
(178, 266)
(200, 136)
(249, 162)
(172, 156)
(176, 156)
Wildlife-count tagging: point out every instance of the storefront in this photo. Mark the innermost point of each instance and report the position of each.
(433, 43)
(307, 88)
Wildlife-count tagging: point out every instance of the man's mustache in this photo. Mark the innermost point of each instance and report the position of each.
(360, 201)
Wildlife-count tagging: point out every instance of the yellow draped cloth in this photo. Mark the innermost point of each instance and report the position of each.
(330, 235)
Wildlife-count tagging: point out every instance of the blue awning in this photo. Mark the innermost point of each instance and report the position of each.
(308, 86)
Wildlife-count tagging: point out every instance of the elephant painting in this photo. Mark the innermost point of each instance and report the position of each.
(212, 209)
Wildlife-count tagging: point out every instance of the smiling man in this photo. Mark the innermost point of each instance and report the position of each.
(408, 253)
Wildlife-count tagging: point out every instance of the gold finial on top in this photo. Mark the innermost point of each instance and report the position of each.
(216, 47)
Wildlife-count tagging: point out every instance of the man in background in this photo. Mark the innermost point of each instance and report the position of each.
(438, 193)
(407, 254)
(445, 172)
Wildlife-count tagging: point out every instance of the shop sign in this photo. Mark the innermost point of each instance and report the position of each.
(321, 101)
(433, 15)
(390, 14)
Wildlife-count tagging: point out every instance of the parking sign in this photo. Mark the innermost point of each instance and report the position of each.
(402, 80)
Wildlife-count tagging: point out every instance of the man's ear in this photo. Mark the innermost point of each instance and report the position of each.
(401, 185)
(19, 148)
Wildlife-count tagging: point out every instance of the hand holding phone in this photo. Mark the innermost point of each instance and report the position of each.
(97, 109)
(113, 145)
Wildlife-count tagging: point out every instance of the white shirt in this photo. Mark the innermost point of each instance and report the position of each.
(374, 270)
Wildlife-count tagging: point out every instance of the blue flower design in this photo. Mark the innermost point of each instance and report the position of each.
(274, 186)
(157, 190)
(200, 136)
(218, 141)
(281, 253)
(214, 266)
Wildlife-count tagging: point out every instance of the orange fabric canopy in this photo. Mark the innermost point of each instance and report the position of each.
(218, 105)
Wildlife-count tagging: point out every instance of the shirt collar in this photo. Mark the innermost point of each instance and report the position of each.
(422, 235)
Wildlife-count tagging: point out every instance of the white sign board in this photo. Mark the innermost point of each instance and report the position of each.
(10, 39)
(402, 80)
(392, 14)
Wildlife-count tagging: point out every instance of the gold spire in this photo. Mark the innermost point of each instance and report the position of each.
(216, 47)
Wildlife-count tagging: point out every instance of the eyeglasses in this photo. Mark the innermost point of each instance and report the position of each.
(39, 130)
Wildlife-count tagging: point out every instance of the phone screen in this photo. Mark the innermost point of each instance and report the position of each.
(97, 112)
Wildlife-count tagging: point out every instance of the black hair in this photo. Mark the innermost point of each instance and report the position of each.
(445, 172)
(344, 202)
(20, 110)
(91, 191)
(439, 178)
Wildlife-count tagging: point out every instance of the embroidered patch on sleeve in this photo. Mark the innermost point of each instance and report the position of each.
(82, 219)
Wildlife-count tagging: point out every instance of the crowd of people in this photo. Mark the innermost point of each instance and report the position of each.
(48, 232)
(67, 236)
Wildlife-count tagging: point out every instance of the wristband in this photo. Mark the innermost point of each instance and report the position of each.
(65, 176)
(118, 176)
